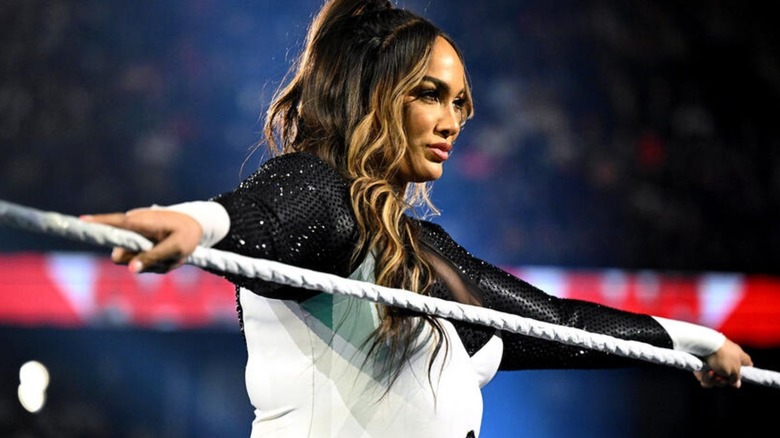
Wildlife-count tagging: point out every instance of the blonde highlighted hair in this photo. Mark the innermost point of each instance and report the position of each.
(345, 103)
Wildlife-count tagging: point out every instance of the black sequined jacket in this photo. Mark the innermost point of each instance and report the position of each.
(296, 210)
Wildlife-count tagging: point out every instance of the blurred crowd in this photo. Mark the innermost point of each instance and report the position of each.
(606, 134)
(638, 136)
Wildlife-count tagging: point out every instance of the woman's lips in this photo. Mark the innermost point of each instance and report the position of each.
(441, 150)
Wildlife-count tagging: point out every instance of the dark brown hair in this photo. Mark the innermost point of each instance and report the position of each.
(344, 103)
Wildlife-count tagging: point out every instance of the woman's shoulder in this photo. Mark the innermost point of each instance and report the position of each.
(299, 167)
(437, 237)
(430, 231)
(427, 225)
(295, 157)
(303, 160)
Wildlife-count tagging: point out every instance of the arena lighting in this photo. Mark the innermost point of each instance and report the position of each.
(33, 381)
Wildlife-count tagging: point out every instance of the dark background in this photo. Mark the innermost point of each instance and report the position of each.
(608, 134)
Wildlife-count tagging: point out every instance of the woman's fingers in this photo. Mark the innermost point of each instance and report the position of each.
(149, 223)
(724, 366)
(175, 236)
(119, 220)
(122, 256)
(167, 254)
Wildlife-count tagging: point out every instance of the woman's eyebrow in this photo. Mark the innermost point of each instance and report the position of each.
(440, 84)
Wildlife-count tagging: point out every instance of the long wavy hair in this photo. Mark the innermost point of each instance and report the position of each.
(345, 103)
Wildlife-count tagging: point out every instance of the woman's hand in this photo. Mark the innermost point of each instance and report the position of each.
(175, 236)
(723, 366)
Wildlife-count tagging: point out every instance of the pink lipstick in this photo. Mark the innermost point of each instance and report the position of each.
(441, 150)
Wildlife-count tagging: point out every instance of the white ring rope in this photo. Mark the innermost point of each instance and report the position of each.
(74, 228)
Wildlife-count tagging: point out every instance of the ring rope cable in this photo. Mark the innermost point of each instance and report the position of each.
(74, 228)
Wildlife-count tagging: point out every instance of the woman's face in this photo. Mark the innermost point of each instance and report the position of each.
(433, 113)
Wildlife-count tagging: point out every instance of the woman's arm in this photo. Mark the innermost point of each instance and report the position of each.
(504, 292)
(295, 209)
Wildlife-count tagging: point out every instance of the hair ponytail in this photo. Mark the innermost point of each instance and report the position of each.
(334, 11)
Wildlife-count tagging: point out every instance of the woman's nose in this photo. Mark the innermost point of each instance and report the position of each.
(449, 122)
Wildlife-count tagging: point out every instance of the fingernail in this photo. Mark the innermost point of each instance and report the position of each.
(86, 217)
(136, 266)
(115, 253)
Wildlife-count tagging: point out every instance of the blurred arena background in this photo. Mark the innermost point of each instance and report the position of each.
(627, 152)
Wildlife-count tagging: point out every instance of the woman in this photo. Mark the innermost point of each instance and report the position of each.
(378, 97)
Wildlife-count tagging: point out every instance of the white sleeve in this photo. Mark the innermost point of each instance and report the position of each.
(691, 338)
(212, 217)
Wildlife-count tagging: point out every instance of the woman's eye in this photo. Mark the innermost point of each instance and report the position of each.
(429, 95)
